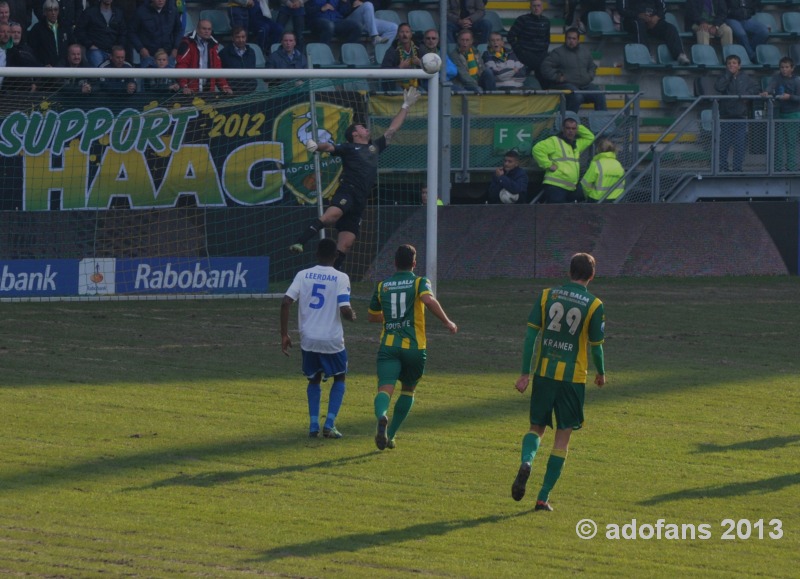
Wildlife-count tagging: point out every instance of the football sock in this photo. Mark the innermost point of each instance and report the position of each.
(530, 444)
(312, 230)
(555, 465)
(339, 260)
(314, 393)
(382, 400)
(401, 409)
(334, 402)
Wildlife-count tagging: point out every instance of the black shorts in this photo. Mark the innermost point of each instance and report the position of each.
(352, 206)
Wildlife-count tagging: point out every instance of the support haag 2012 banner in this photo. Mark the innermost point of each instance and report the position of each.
(31, 278)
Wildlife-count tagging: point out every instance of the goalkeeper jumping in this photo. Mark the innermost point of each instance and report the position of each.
(359, 172)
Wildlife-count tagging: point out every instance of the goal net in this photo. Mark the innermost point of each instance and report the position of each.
(160, 194)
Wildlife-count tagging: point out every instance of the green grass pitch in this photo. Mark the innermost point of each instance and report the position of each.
(165, 439)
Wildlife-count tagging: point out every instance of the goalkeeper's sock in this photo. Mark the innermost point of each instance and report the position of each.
(554, 467)
(314, 392)
(339, 260)
(530, 444)
(334, 402)
(312, 231)
(382, 400)
(401, 409)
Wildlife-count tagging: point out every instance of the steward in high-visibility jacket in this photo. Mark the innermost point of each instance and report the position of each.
(559, 157)
(604, 172)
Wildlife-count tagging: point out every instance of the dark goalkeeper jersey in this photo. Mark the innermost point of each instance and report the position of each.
(360, 165)
(569, 320)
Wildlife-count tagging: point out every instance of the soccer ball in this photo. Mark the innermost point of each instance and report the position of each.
(431, 63)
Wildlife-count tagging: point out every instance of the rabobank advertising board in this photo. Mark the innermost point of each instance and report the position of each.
(28, 278)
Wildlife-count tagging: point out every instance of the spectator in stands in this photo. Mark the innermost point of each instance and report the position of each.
(99, 28)
(288, 56)
(747, 31)
(19, 53)
(784, 87)
(239, 55)
(559, 157)
(707, 20)
(326, 21)
(576, 13)
(529, 38)
(162, 85)
(403, 55)
(423, 197)
(117, 86)
(49, 38)
(508, 71)
(733, 129)
(640, 17)
(294, 10)
(255, 17)
(156, 25)
(68, 12)
(472, 74)
(467, 15)
(571, 67)
(604, 174)
(363, 13)
(509, 183)
(199, 49)
(75, 59)
(430, 43)
(21, 11)
(5, 13)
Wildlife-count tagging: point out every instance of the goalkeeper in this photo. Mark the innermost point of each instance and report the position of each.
(359, 172)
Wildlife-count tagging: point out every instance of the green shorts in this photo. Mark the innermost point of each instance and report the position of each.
(401, 364)
(565, 398)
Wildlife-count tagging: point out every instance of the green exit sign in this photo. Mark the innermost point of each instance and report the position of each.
(513, 136)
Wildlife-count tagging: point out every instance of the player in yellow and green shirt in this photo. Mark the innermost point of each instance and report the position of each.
(399, 304)
(570, 323)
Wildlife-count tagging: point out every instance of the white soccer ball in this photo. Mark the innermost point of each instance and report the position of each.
(507, 196)
(431, 63)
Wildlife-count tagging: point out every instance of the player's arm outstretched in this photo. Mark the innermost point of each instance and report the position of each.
(286, 341)
(410, 96)
(436, 309)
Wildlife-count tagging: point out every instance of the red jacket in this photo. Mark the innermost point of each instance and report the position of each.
(189, 57)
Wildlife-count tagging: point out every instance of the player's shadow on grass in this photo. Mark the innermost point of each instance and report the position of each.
(762, 444)
(368, 540)
(768, 485)
(210, 479)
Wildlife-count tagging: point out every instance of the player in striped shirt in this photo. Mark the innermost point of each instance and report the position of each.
(399, 304)
(570, 322)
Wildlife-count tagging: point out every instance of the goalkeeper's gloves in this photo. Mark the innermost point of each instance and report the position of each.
(410, 96)
(311, 146)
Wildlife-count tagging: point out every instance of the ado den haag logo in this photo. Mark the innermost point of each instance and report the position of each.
(293, 128)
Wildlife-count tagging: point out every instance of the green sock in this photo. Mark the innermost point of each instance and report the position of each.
(554, 467)
(530, 444)
(382, 400)
(401, 409)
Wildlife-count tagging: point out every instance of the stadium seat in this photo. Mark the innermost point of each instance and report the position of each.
(497, 22)
(220, 23)
(768, 55)
(320, 56)
(354, 55)
(794, 54)
(791, 23)
(600, 24)
(664, 57)
(737, 50)
(769, 21)
(672, 19)
(420, 21)
(600, 124)
(706, 120)
(481, 48)
(261, 62)
(674, 89)
(389, 16)
(705, 56)
(380, 51)
(638, 56)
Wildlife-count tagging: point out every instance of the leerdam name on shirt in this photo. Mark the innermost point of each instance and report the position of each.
(321, 276)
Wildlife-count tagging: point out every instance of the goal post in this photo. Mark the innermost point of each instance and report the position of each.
(164, 195)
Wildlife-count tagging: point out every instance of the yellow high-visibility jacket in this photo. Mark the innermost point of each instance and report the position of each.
(556, 151)
(603, 173)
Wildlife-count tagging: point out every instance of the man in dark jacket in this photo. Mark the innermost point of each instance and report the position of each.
(99, 28)
(529, 37)
(157, 25)
(239, 55)
(733, 129)
(747, 31)
(49, 38)
(509, 183)
(287, 56)
(571, 67)
(640, 17)
(68, 12)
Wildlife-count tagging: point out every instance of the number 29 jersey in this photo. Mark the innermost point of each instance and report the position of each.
(403, 312)
(569, 320)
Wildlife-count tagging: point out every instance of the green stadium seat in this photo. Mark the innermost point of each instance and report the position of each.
(706, 56)
(674, 89)
(600, 24)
